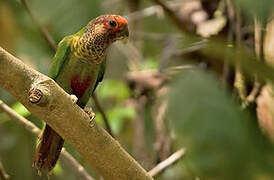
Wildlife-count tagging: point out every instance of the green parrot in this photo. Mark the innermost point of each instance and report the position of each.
(78, 66)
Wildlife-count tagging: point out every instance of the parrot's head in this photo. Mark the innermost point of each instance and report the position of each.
(99, 34)
(108, 28)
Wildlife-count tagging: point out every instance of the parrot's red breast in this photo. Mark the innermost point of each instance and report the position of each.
(79, 85)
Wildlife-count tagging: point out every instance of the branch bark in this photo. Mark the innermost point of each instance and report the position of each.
(56, 108)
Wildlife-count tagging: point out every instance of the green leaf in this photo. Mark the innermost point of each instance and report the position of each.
(149, 64)
(58, 170)
(260, 9)
(20, 109)
(222, 142)
(113, 89)
(117, 117)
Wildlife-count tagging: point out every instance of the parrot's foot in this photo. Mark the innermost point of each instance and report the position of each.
(91, 115)
(73, 98)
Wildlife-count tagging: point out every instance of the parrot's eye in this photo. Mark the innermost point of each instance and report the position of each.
(112, 23)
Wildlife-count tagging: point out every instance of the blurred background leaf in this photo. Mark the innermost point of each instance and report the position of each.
(222, 141)
(261, 9)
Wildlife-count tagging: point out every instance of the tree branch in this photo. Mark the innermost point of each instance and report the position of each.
(258, 46)
(166, 163)
(56, 108)
(173, 15)
(65, 156)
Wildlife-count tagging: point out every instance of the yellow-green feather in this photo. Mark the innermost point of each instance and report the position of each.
(63, 50)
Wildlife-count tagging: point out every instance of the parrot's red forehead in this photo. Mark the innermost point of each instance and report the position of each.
(121, 20)
(113, 27)
(115, 22)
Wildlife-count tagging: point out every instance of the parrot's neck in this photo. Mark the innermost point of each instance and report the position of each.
(90, 48)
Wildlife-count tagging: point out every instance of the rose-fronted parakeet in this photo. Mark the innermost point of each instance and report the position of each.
(78, 66)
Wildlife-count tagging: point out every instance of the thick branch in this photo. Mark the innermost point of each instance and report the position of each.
(65, 156)
(56, 108)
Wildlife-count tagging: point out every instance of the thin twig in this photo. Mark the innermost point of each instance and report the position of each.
(158, 36)
(44, 32)
(20, 119)
(150, 11)
(35, 130)
(100, 109)
(174, 16)
(162, 132)
(166, 163)
(231, 24)
(136, 41)
(48, 37)
(258, 46)
(139, 148)
(75, 164)
(240, 81)
(3, 174)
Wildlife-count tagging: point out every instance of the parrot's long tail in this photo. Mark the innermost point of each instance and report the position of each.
(48, 150)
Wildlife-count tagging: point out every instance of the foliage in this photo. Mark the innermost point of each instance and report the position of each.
(222, 140)
(261, 9)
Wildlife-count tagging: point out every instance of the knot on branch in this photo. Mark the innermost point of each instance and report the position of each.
(39, 94)
(35, 95)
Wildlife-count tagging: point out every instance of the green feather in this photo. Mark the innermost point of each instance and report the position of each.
(100, 74)
(61, 55)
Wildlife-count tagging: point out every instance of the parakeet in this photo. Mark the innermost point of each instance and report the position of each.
(78, 66)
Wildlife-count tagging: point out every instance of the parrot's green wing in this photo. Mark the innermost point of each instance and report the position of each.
(100, 74)
(60, 57)
(62, 53)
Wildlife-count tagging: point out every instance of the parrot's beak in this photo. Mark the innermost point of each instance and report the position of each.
(123, 35)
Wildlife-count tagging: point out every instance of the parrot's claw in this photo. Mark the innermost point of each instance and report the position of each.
(73, 98)
(91, 115)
